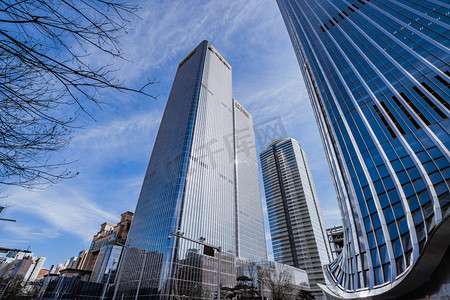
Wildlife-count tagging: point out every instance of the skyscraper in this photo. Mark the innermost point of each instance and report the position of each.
(298, 234)
(377, 74)
(202, 179)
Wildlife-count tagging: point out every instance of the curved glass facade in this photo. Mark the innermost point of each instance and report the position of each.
(378, 78)
(203, 158)
(298, 234)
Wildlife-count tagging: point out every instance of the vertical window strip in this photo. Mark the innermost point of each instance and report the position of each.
(430, 103)
(386, 124)
(391, 115)
(436, 95)
(407, 114)
(415, 109)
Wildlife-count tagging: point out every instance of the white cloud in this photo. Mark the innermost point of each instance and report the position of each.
(169, 30)
(24, 233)
(78, 206)
(117, 139)
(61, 209)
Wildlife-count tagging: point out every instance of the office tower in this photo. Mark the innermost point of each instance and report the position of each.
(202, 180)
(296, 224)
(377, 75)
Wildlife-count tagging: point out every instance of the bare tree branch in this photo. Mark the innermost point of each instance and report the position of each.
(46, 81)
(278, 281)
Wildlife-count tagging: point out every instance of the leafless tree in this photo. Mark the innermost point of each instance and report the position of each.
(278, 281)
(10, 286)
(305, 295)
(47, 81)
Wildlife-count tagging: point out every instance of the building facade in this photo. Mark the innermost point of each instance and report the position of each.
(296, 223)
(106, 264)
(202, 180)
(108, 235)
(377, 74)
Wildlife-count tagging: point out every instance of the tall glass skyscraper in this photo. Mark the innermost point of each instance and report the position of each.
(202, 179)
(378, 78)
(299, 237)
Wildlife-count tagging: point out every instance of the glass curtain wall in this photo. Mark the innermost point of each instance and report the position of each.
(190, 186)
(378, 78)
(296, 223)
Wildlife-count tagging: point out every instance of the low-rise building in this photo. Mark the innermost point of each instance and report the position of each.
(103, 255)
(41, 274)
(109, 234)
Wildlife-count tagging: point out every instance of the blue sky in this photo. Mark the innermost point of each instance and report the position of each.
(112, 152)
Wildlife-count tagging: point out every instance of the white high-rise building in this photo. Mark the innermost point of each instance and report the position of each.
(202, 180)
(298, 232)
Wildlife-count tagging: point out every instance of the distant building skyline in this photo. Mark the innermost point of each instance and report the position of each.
(20, 264)
(202, 180)
(378, 77)
(296, 223)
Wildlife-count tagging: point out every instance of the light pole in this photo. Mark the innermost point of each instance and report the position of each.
(119, 268)
(140, 276)
(261, 285)
(8, 220)
(119, 272)
(107, 280)
(2, 219)
(4, 289)
(202, 242)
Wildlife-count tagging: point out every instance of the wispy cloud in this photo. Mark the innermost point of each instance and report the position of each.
(78, 206)
(23, 233)
(61, 209)
(117, 139)
(168, 30)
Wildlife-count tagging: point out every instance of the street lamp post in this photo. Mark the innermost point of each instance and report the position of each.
(8, 220)
(4, 289)
(119, 271)
(2, 219)
(261, 285)
(202, 242)
(107, 280)
(119, 268)
(140, 276)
